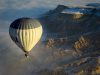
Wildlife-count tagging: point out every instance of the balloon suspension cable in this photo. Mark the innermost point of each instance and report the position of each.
(26, 54)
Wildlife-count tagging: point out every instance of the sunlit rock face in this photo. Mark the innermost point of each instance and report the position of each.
(74, 38)
(71, 20)
(69, 23)
(88, 44)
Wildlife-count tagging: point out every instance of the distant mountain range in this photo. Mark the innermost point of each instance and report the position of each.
(71, 20)
(72, 32)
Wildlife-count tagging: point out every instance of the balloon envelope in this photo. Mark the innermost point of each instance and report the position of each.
(25, 32)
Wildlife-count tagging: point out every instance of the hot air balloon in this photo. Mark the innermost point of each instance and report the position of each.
(25, 32)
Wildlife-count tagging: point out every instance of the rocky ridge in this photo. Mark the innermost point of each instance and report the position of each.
(73, 34)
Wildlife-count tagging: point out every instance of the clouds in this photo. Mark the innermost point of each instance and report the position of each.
(29, 4)
(23, 4)
(13, 61)
(15, 8)
(4, 26)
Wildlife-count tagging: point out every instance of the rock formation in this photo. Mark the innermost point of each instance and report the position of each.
(75, 40)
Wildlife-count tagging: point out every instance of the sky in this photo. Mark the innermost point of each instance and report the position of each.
(13, 9)
(10, 55)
